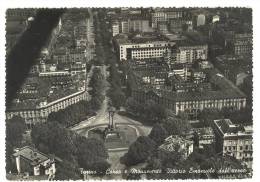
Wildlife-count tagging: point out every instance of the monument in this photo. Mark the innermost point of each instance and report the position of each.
(111, 133)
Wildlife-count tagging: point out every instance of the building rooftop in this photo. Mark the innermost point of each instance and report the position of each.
(227, 128)
(222, 88)
(173, 142)
(190, 43)
(204, 131)
(31, 154)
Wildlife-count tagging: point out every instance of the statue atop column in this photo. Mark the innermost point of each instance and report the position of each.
(111, 132)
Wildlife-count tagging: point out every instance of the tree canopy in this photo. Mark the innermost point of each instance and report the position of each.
(87, 153)
(158, 134)
(139, 151)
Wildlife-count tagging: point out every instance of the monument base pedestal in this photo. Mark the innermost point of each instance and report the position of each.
(111, 134)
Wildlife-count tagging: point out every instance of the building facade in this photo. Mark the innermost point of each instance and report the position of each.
(143, 50)
(115, 29)
(163, 15)
(234, 140)
(189, 102)
(204, 137)
(39, 113)
(29, 160)
(190, 53)
(187, 53)
(181, 144)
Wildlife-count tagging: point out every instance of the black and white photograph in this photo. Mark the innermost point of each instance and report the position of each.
(129, 93)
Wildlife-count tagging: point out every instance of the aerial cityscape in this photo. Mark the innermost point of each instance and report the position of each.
(129, 93)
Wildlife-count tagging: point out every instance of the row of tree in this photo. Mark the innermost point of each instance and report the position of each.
(97, 85)
(73, 114)
(84, 109)
(103, 38)
(115, 92)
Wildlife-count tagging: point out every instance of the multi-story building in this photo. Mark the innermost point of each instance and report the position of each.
(25, 13)
(77, 67)
(234, 67)
(34, 112)
(190, 53)
(176, 25)
(215, 18)
(187, 53)
(205, 65)
(243, 44)
(144, 50)
(180, 70)
(151, 71)
(50, 87)
(124, 26)
(75, 55)
(164, 15)
(226, 96)
(115, 29)
(60, 55)
(35, 163)
(162, 27)
(204, 137)
(139, 25)
(181, 144)
(234, 140)
(201, 19)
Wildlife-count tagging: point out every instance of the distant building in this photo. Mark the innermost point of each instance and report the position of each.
(176, 25)
(187, 52)
(179, 144)
(29, 160)
(75, 55)
(125, 26)
(60, 55)
(131, 50)
(205, 65)
(55, 74)
(243, 44)
(228, 96)
(215, 18)
(190, 53)
(164, 15)
(234, 67)
(115, 29)
(204, 137)
(180, 70)
(24, 13)
(162, 27)
(215, 50)
(151, 71)
(234, 140)
(34, 111)
(201, 19)
(139, 25)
